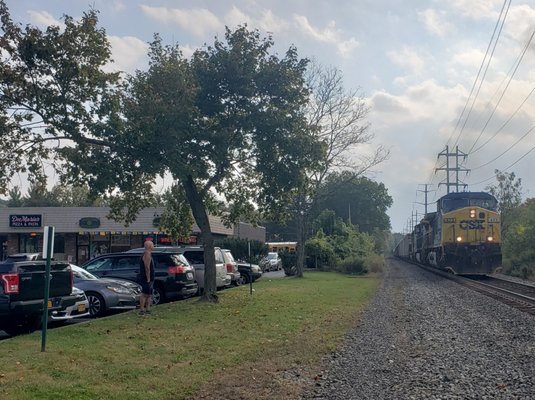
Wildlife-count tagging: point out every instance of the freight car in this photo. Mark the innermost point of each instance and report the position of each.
(463, 236)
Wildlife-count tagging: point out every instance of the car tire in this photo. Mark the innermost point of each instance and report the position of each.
(158, 295)
(97, 305)
(245, 279)
(28, 325)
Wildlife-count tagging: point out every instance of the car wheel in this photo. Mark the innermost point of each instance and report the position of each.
(97, 306)
(19, 327)
(245, 279)
(157, 295)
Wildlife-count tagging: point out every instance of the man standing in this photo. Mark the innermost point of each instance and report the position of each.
(146, 277)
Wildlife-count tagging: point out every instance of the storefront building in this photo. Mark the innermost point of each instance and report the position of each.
(84, 232)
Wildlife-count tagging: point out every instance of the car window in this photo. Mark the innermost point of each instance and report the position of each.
(229, 256)
(219, 256)
(81, 273)
(179, 259)
(126, 263)
(100, 264)
(195, 257)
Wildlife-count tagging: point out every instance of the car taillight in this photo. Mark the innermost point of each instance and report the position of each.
(177, 269)
(11, 283)
(230, 268)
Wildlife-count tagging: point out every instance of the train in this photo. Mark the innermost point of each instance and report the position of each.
(463, 236)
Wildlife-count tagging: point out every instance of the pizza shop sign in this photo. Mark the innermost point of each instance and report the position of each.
(25, 221)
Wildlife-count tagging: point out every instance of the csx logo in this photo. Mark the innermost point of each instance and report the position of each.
(473, 224)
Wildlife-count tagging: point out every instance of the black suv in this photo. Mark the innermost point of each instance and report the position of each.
(174, 277)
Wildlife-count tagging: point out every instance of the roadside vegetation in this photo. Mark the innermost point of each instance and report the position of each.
(259, 346)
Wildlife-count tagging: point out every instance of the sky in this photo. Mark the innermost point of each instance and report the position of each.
(456, 73)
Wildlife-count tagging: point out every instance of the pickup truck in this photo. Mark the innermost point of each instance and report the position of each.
(22, 289)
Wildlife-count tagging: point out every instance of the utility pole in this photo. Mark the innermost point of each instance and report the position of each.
(425, 191)
(446, 153)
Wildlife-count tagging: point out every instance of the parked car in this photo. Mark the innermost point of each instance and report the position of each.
(24, 257)
(195, 257)
(249, 271)
(271, 262)
(78, 310)
(106, 294)
(22, 288)
(174, 277)
(232, 268)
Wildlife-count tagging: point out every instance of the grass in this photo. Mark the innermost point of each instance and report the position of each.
(262, 346)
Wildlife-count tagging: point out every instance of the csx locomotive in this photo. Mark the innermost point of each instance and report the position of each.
(463, 236)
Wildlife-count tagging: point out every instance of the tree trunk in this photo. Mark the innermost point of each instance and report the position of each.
(200, 215)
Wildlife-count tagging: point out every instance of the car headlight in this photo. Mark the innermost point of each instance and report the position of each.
(118, 289)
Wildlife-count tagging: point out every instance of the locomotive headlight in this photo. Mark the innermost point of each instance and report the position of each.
(459, 239)
(472, 213)
(490, 239)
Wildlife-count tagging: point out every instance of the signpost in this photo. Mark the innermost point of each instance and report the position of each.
(48, 252)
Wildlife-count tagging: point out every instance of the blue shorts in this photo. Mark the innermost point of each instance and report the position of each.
(146, 287)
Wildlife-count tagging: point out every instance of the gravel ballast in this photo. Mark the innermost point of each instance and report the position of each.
(425, 337)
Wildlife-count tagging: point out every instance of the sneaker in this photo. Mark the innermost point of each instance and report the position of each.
(148, 312)
(142, 312)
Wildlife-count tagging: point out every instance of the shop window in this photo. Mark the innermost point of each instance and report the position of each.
(29, 243)
(120, 240)
(59, 243)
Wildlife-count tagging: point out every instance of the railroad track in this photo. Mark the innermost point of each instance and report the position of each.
(514, 294)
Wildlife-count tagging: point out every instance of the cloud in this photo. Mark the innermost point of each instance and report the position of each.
(478, 9)
(329, 35)
(436, 22)
(129, 53)
(197, 21)
(43, 18)
(265, 21)
(118, 5)
(407, 58)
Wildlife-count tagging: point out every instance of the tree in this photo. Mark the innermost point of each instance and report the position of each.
(227, 121)
(338, 117)
(54, 96)
(508, 192)
(518, 250)
(15, 198)
(359, 200)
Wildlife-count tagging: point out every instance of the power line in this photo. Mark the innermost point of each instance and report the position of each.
(479, 73)
(504, 152)
(505, 90)
(505, 169)
(505, 123)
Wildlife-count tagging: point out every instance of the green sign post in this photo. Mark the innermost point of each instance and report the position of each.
(48, 247)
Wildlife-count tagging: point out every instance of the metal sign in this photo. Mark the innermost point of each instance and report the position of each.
(48, 236)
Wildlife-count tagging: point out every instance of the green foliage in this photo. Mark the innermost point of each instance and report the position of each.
(518, 249)
(358, 197)
(59, 196)
(240, 248)
(508, 192)
(353, 265)
(289, 261)
(177, 219)
(54, 95)
(345, 249)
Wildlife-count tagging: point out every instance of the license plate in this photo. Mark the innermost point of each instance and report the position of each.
(81, 307)
(189, 275)
(49, 303)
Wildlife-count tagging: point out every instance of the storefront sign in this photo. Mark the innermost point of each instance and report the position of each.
(89, 223)
(25, 221)
(156, 221)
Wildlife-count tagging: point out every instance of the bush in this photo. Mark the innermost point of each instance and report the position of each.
(374, 263)
(352, 265)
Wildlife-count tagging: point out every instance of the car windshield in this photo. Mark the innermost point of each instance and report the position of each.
(81, 273)
(272, 256)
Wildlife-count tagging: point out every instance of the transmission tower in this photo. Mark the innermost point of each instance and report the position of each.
(456, 155)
